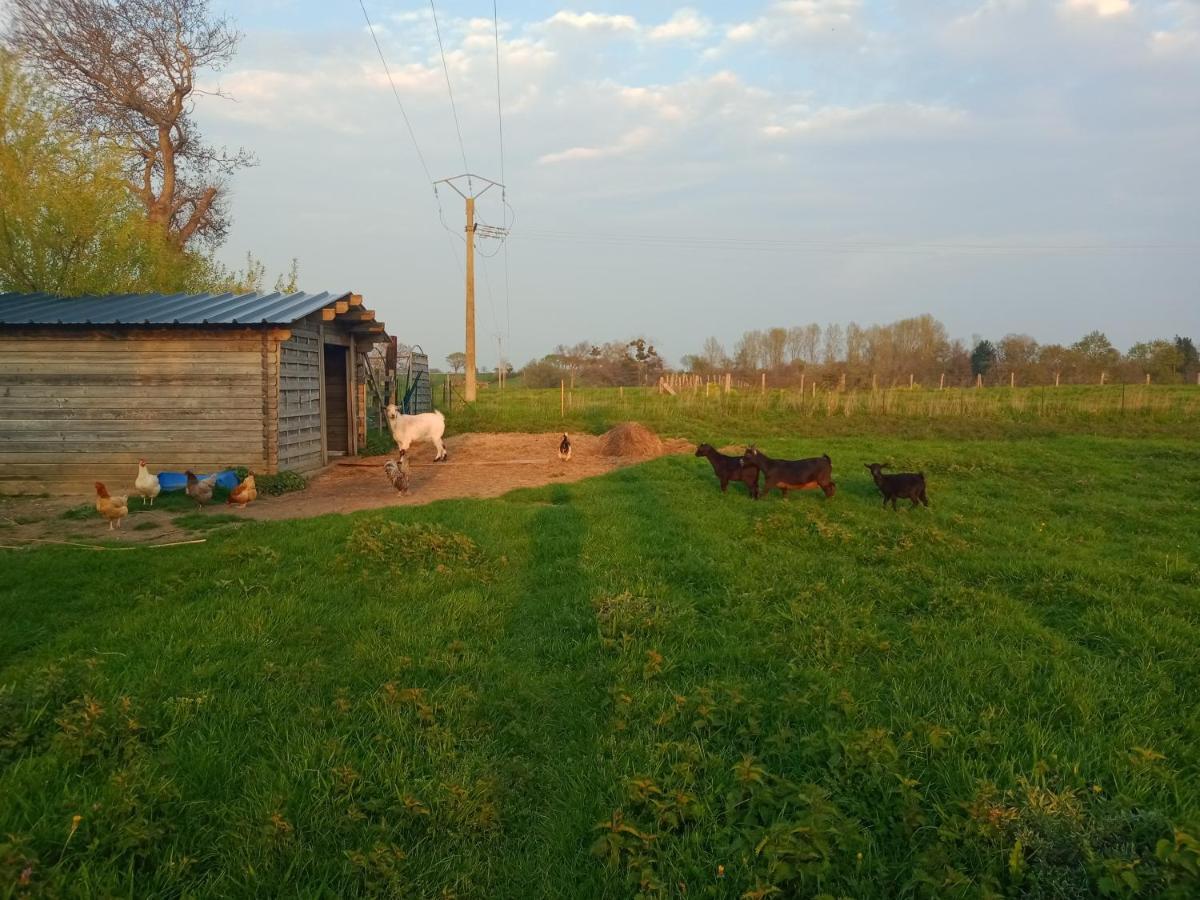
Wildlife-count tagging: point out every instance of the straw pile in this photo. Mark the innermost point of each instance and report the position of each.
(630, 439)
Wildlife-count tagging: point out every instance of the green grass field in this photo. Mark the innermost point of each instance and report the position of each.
(635, 685)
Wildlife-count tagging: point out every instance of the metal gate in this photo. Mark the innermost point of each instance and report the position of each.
(418, 393)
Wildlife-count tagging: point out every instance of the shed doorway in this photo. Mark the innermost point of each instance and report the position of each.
(337, 430)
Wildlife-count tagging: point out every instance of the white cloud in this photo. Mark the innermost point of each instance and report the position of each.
(787, 21)
(630, 141)
(872, 121)
(595, 22)
(743, 31)
(1102, 8)
(686, 25)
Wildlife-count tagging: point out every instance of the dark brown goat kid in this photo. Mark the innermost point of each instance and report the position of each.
(731, 468)
(793, 474)
(901, 486)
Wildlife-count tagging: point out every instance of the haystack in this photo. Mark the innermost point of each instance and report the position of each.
(630, 439)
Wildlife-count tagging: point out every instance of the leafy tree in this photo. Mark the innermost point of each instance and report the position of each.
(126, 71)
(457, 361)
(983, 358)
(68, 225)
(217, 278)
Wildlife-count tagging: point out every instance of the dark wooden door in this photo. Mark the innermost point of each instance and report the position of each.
(337, 436)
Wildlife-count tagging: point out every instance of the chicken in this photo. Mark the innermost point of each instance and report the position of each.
(200, 490)
(564, 448)
(397, 473)
(244, 493)
(146, 483)
(112, 508)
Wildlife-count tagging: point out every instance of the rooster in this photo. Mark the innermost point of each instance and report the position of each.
(244, 493)
(564, 448)
(200, 490)
(397, 473)
(112, 508)
(146, 483)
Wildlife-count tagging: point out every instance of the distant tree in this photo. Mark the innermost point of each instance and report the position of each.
(457, 361)
(983, 358)
(649, 363)
(1190, 359)
(126, 71)
(835, 346)
(543, 373)
(1096, 349)
(1160, 359)
(776, 347)
(713, 355)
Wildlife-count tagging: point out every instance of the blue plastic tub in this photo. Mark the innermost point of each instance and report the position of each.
(177, 481)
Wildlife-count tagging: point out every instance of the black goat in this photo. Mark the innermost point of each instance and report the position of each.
(902, 485)
(793, 474)
(731, 468)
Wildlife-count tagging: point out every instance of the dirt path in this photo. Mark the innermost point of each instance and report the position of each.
(479, 465)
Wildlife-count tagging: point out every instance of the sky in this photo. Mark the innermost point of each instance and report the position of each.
(680, 171)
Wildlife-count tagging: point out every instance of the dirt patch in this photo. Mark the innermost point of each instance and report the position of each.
(479, 465)
(631, 439)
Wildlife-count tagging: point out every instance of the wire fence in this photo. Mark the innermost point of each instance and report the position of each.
(523, 407)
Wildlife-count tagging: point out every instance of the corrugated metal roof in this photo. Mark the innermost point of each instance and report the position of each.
(162, 309)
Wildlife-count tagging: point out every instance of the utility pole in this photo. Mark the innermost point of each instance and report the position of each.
(488, 231)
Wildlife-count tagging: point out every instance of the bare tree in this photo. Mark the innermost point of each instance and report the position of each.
(127, 71)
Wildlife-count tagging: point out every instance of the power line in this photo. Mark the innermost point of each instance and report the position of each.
(700, 242)
(503, 178)
(395, 93)
(449, 90)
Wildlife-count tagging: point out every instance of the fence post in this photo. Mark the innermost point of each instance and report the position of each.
(941, 382)
(1147, 378)
(801, 382)
(728, 382)
(1103, 376)
(1012, 379)
(842, 384)
(814, 390)
(979, 380)
(874, 382)
(1056, 375)
(562, 399)
(763, 390)
(910, 381)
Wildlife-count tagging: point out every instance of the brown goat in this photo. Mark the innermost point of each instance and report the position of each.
(731, 468)
(902, 485)
(793, 474)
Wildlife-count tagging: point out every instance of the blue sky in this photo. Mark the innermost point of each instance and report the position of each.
(681, 170)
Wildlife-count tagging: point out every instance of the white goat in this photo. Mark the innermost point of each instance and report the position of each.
(421, 427)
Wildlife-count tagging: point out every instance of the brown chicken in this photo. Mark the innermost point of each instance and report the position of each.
(244, 493)
(201, 491)
(112, 508)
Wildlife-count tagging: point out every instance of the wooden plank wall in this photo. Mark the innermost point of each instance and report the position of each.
(80, 407)
(300, 401)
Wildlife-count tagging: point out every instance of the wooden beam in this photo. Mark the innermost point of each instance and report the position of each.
(327, 314)
(321, 394)
(356, 299)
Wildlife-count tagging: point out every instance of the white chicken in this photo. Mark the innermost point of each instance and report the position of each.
(146, 484)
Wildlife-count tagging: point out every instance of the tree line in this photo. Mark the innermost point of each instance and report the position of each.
(920, 348)
(106, 183)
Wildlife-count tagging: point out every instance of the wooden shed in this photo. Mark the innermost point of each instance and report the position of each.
(88, 385)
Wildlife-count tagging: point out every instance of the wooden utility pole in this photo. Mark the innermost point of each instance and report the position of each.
(489, 231)
(469, 386)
